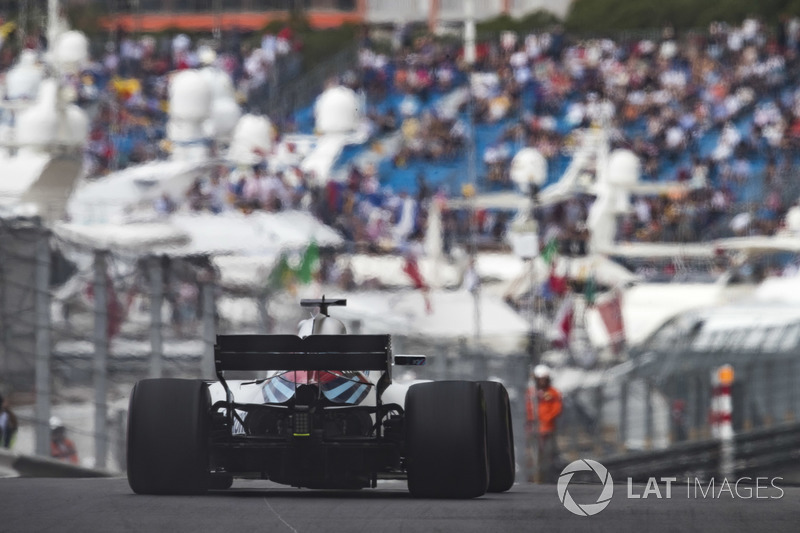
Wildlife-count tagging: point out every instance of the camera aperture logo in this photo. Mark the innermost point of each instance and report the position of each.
(585, 509)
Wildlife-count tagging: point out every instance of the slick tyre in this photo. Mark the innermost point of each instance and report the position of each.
(168, 437)
(446, 440)
(499, 437)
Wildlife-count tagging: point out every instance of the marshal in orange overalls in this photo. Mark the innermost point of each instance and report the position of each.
(544, 405)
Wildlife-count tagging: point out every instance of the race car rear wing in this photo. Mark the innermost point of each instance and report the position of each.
(315, 352)
(290, 352)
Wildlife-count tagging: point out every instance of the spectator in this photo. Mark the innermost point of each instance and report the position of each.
(678, 104)
(164, 205)
(187, 301)
(8, 424)
(678, 420)
(61, 446)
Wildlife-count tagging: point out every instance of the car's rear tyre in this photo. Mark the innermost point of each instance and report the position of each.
(168, 437)
(446, 440)
(499, 437)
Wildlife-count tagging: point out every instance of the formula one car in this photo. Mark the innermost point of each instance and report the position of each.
(305, 425)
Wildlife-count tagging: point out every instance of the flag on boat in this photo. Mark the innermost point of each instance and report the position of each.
(610, 308)
(562, 323)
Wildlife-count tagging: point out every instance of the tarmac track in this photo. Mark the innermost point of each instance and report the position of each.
(108, 505)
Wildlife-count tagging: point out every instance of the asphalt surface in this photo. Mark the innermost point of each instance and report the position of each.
(108, 505)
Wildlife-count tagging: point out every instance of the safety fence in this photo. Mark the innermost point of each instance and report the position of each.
(31, 466)
(81, 326)
(662, 398)
(755, 453)
(82, 331)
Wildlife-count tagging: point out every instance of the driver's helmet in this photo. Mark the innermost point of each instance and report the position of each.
(321, 325)
(346, 388)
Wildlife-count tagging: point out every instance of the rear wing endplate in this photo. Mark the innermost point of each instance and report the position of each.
(410, 360)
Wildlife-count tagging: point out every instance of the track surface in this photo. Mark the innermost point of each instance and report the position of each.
(108, 505)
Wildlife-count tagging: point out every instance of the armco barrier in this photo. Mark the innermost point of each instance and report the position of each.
(765, 448)
(753, 450)
(685, 460)
(33, 466)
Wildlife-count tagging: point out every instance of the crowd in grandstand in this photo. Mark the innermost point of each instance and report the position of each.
(126, 87)
(714, 110)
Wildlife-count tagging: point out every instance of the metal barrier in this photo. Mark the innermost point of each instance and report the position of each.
(755, 452)
(686, 460)
(658, 406)
(33, 466)
(92, 330)
(764, 448)
(123, 318)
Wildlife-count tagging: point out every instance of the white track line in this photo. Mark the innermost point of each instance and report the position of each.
(279, 516)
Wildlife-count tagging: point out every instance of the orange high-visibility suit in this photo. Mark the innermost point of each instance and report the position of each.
(550, 405)
(64, 450)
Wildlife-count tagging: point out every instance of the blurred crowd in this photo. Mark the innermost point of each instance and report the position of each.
(125, 86)
(715, 110)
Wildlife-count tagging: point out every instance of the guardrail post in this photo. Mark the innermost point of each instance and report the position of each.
(704, 396)
(747, 401)
(42, 299)
(792, 375)
(574, 435)
(769, 393)
(156, 275)
(623, 415)
(648, 415)
(677, 411)
(209, 326)
(101, 341)
(481, 366)
(264, 325)
(598, 420)
(120, 421)
(696, 409)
